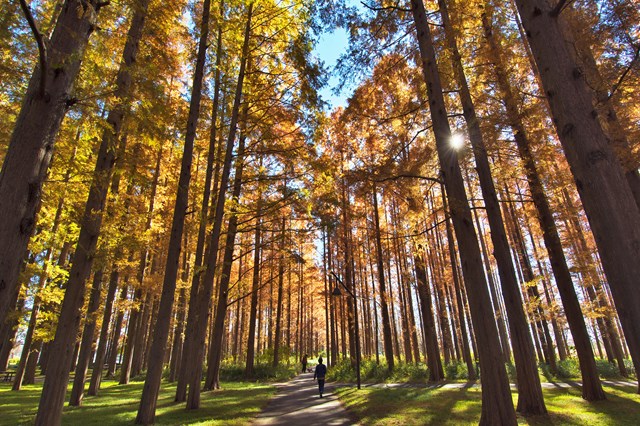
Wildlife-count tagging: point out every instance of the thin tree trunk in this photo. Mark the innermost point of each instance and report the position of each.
(384, 309)
(86, 346)
(434, 362)
(255, 285)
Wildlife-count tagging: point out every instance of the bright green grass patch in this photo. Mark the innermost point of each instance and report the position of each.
(235, 403)
(442, 406)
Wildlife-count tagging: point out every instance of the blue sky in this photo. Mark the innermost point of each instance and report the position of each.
(329, 48)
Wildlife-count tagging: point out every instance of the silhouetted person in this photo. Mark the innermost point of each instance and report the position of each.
(320, 373)
(304, 363)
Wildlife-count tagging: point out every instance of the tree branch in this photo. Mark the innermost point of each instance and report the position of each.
(624, 74)
(407, 175)
(559, 7)
(42, 49)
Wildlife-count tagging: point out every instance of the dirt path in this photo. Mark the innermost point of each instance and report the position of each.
(298, 403)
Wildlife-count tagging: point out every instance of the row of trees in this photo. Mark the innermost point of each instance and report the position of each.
(211, 215)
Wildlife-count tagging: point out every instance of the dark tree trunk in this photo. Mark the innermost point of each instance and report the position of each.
(148, 401)
(215, 345)
(205, 291)
(384, 309)
(86, 346)
(497, 405)
(255, 285)
(47, 99)
(605, 193)
(434, 362)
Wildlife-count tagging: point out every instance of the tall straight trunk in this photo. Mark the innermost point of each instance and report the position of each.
(205, 290)
(605, 193)
(591, 389)
(212, 156)
(148, 401)
(594, 288)
(464, 333)
(530, 400)
(46, 101)
(53, 392)
(117, 329)
(215, 345)
(281, 265)
(96, 373)
(88, 340)
(255, 285)
(434, 362)
(384, 308)
(605, 102)
(327, 295)
(135, 322)
(497, 405)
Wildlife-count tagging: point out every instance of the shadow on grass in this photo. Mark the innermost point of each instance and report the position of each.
(445, 406)
(236, 403)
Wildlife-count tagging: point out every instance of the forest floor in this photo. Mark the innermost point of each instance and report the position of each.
(237, 403)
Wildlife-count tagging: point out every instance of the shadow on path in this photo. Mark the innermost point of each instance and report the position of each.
(298, 403)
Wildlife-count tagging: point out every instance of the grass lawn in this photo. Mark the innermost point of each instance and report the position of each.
(236, 403)
(420, 406)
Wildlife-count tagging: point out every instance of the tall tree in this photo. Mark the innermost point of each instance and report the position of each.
(48, 98)
(497, 405)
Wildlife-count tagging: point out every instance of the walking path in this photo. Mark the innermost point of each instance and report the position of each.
(297, 403)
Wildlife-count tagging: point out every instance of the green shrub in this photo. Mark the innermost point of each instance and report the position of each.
(568, 369)
(511, 371)
(263, 372)
(607, 370)
(456, 371)
(630, 368)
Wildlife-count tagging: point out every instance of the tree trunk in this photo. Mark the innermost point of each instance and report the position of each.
(86, 346)
(530, 400)
(47, 99)
(497, 405)
(592, 389)
(199, 326)
(608, 201)
(433, 352)
(255, 285)
(148, 401)
(215, 345)
(384, 308)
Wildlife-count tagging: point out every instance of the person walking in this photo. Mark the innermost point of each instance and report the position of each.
(304, 363)
(320, 373)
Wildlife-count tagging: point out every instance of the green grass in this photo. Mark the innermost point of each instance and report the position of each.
(235, 403)
(421, 406)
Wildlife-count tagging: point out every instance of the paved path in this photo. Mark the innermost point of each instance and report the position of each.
(297, 403)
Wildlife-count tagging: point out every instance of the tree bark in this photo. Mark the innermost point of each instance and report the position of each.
(215, 345)
(86, 346)
(384, 308)
(530, 400)
(434, 362)
(31, 146)
(605, 193)
(497, 405)
(199, 328)
(148, 401)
